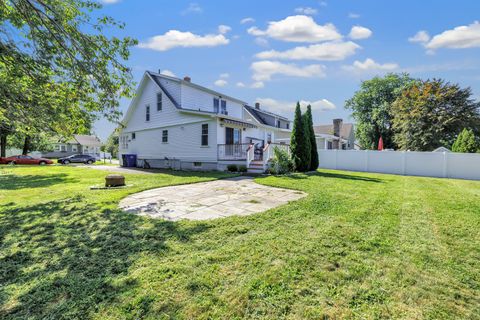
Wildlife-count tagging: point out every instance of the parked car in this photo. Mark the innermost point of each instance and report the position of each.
(25, 160)
(78, 158)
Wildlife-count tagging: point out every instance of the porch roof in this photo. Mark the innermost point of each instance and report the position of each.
(238, 123)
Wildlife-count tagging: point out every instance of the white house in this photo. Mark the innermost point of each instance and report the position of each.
(174, 123)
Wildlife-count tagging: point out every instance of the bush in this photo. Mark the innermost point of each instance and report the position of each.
(281, 162)
(242, 168)
(232, 168)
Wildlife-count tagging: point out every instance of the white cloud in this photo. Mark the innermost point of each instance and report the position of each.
(168, 73)
(109, 1)
(457, 38)
(224, 75)
(262, 42)
(240, 84)
(264, 70)
(222, 29)
(370, 65)
(257, 85)
(359, 32)
(193, 7)
(298, 28)
(322, 3)
(309, 11)
(289, 106)
(421, 36)
(174, 38)
(221, 83)
(353, 15)
(328, 51)
(247, 20)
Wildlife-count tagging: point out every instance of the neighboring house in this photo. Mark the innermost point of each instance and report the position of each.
(174, 123)
(79, 144)
(338, 135)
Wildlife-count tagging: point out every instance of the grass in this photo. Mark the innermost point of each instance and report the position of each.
(363, 246)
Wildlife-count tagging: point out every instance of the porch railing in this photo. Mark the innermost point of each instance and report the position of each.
(268, 152)
(233, 151)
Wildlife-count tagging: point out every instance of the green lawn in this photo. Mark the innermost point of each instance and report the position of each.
(361, 245)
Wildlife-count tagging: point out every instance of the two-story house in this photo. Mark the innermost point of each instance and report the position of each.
(174, 123)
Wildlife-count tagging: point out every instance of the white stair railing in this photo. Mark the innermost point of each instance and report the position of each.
(267, 155)
(250, 154)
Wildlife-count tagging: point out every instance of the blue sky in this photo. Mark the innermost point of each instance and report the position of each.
(279, 52)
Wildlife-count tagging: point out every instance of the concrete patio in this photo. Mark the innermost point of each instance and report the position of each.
(208, 200)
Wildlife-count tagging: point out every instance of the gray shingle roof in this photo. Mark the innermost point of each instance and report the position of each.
(328, 129)
(87, 140)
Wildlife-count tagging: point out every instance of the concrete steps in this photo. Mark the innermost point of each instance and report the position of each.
(255, 167)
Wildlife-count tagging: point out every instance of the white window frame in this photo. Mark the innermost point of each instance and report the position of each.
(74, 148)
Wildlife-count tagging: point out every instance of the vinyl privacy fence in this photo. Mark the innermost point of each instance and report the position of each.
(429, 164)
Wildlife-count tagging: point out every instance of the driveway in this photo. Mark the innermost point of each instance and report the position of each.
(208, 200)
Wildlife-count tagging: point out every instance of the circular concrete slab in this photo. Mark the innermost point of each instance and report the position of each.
(208, 200)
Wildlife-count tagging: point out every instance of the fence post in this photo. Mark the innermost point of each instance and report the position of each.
(336, 158)
(366, 160)
(404, 162)
(445, 164)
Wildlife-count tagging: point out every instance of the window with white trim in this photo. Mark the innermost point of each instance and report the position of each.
(159, 101)
(216, 105)
(147, 112)
(205, 134)
(165, 136)
(74, 148)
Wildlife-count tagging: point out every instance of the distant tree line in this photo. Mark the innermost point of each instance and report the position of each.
(414, 114)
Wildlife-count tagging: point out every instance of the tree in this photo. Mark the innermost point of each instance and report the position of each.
(111, 145)
(371, 109)
(466, 142)
(310, 137)
(297, 142)
(307, 129)
(430, 114)
(54, 51)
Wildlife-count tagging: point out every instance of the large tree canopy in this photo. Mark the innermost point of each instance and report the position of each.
(432, 113)
(371, 109)
(57, 66)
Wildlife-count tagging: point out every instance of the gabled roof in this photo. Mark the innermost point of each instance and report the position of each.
(155, 77)
(345, 131)
(87, 140)
(259, 113)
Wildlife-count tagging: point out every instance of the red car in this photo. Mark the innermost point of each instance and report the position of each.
(25, 160)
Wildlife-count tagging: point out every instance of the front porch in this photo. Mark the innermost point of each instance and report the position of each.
(254, 156)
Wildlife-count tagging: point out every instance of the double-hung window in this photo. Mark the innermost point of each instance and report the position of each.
(133, 136)
(147, 113)
(216, 103)
(159, 101)
(205, 134)
(165, 136)
(223, 106)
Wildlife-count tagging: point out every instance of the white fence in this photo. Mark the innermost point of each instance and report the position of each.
(430, 164)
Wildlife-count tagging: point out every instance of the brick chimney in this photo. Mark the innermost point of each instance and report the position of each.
(257, 105)
(337, 129)
(187, 78)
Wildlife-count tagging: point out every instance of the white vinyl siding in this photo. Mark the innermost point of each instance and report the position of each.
(183, 143)
(196, 99)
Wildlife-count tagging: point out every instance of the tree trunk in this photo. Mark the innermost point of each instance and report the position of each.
(26, 145)
(3, 144)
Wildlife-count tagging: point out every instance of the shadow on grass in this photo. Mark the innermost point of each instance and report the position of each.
(73, 256)
(15, 182)
(335, 175)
